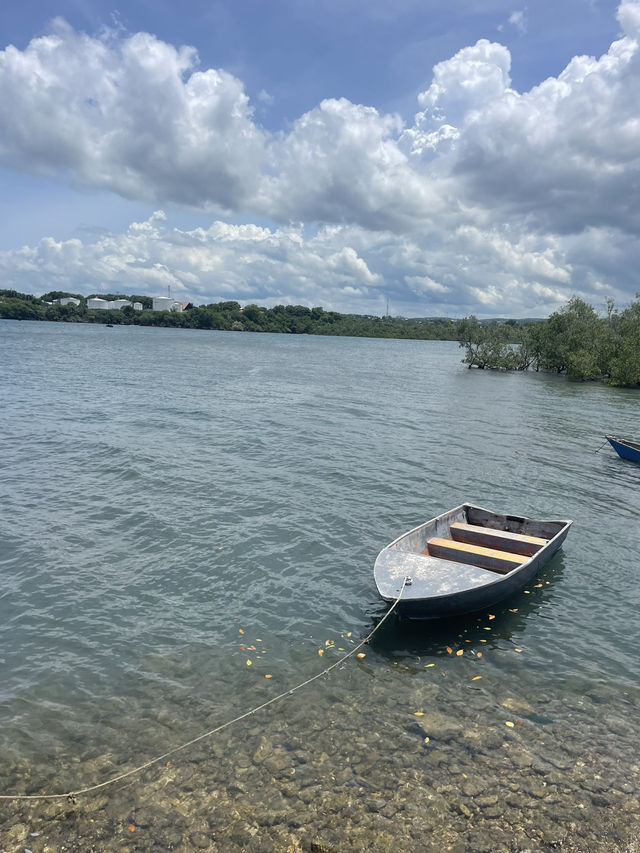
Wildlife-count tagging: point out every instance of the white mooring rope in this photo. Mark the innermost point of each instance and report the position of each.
(72, 794)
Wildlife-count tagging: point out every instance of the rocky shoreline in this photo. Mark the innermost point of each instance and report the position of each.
(433, 766)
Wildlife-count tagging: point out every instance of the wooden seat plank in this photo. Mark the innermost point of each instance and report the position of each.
(502, 540)
(475, 555)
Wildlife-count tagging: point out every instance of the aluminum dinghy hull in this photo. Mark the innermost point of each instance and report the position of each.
(466, 559)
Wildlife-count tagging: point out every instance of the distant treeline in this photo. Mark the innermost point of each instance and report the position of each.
(574, 340)
(226, 316)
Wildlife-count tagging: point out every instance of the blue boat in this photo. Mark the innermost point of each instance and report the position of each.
(625, 448)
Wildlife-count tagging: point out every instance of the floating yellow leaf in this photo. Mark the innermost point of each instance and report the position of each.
(328, 642)
(240, 631)
(517, 650)
(513, 610)
(449, 650)
(268, 676)
(527, 592)
(348, 633)
(479, 654)
(418, 714)
(509, 723)
(427, 665)
(248, 663)
(426, 740)
(131, 828)
(252, 648)
(491, 616)
(361, 655)
(476, 678)
(460, 652)
(483, 641)
(487, 629)
(320, 652)
(537, 586)
(168, 764)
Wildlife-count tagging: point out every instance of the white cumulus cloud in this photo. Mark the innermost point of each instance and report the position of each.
(132, 115)
(344, 268)
(489, 199)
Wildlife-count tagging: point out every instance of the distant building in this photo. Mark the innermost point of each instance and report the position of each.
(98, 304)
(137, 306)
(95, 304)
(166, 303)
(162, 303)
(69, 300)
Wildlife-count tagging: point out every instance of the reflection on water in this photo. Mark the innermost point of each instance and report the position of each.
(175, 504)
(509, 620)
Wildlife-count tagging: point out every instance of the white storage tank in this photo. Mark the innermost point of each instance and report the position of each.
(120, 303)
(137, 306)
(162, 303)
(69, 300)
(96, 303)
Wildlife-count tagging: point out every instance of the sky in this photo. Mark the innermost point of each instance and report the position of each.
(421, 157)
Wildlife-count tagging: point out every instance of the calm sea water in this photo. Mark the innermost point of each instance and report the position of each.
(163, 491)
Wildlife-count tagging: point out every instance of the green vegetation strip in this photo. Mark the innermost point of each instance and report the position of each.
(575, 340)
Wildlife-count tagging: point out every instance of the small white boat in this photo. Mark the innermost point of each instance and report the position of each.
(464, 560)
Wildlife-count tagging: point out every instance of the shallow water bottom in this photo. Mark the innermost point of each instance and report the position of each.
(407, 759)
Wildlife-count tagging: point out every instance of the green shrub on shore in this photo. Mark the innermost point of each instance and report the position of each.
(574, 341)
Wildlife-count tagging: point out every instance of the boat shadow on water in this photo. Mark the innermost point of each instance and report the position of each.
(400, 636)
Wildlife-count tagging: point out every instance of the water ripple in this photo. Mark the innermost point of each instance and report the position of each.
(163, 490)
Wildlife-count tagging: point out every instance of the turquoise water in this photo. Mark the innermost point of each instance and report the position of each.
(164, 490)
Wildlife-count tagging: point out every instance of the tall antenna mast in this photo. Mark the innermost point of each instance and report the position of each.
(169, 289)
